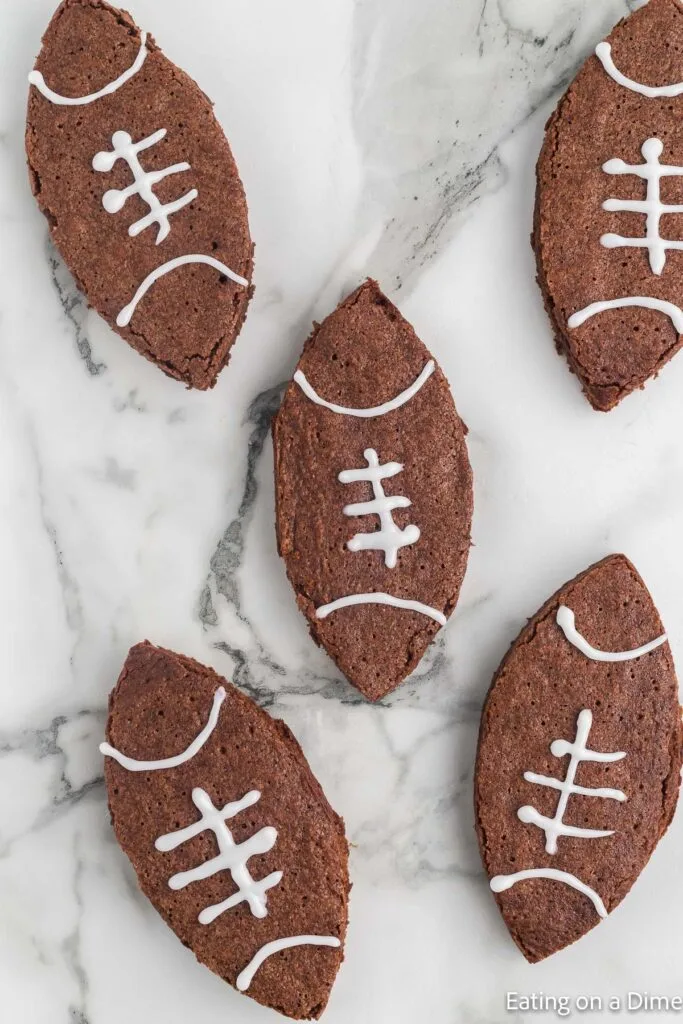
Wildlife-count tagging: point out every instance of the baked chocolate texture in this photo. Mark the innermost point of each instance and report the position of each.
(364, 354)
(189, 319)
(160, 703)
(598, 120)
(536, 696)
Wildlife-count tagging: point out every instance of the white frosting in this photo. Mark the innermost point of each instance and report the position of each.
(124, 317)
(232, 856)
(675, 313)
(652, 206)
(499, 883)
(133, 765)
(578, 752)
(565, 620)
(389, 538)
(245, 977)
(603, 52)
(375, 410)
(143, 182)
(36, 78)
(378, 597)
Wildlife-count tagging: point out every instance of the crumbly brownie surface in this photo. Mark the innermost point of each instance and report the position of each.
(363, 355)
(542, 686)
(615, 351)
(188, 320)
(160, 704)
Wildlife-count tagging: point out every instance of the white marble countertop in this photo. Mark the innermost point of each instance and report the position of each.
(390, 138)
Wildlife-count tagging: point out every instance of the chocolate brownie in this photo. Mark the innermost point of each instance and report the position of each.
(622, 111)
(373, 491)
(139, 181)
(583, 825)
(229, 832)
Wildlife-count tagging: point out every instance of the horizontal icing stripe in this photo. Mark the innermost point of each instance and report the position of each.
(36, 78)
(376, 410)
(380, 598)
(565, 620)
(603, 51)
(124, 317)
(132, 765)
(499, 883)
(675, 313)
(245, 978)
(602, 791)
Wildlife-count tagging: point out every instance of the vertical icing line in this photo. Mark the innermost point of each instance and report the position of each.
(233, 856)
(143, 182)
(651, 171)
(245, 977)
(566, 621)
(578, 752)
(389, 538)
(36, 78)
(133, 765)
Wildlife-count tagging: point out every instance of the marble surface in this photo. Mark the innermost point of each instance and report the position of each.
(397, 139)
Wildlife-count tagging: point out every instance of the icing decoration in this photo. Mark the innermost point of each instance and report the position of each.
(376, 410)
(124, 317)
(377, 597)
(389, 538)
(565, 620)
(603, 52)
(36, 78)
(675, 313)
(499, 883)
(245, 977)
(652, 206)
(578, 751)
(143, 184)
(232, 856)
(133, 765)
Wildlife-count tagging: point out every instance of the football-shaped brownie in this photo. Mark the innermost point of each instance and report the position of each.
(229, 832)
(373, 491)
(608, 230)
(579, 758)
(140, 189)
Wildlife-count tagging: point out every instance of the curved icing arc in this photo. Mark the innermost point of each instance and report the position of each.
(603, 51)
(375, 410)
(675, 313)
(566, 621)
(499, 883)
(36, 78)
(378, 597)
(245, 977)
(126, 314)
(131, 764)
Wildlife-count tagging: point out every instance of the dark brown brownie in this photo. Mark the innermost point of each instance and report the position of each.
(598, 120)
(542, 686)
(363, 355)
(189, 319)
(161, 702)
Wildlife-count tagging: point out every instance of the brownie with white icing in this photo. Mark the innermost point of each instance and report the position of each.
(229, 832)
(140, 190)
(579, 758)
(373, 491)
(608, 227)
